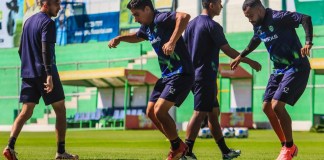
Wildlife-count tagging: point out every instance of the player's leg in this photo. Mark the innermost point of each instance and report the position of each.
(150, 113)
(174, 93)
(24, 115)
(291, 87)
(156, 93)
(216, 131)
(56, 99)
(274, 121)
(193, 129)
(271, 89)
(29, 96)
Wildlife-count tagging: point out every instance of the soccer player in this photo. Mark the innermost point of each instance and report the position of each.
(291, 66)
(164, 30)
(40, 76)
(205, 38)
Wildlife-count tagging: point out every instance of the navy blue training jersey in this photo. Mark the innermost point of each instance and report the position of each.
(278, 33)
(159, 33)
(204, 37)
(37, 29)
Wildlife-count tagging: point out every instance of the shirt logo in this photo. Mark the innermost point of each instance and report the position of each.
(172, 90)
(286, 90)
(155, 40)
(271, 28)
(269, 39)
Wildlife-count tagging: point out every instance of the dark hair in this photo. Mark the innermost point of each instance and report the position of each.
(205, 3)
(140, 4)
(41, 2)
(251, 3)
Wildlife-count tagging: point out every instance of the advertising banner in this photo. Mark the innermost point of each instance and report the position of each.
(8, 11)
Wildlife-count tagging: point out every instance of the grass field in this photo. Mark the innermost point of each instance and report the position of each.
(103, 144)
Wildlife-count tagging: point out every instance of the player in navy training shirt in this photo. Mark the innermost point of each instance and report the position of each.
(291, 66)
(205, 38)
(40, 76)
(164, 30)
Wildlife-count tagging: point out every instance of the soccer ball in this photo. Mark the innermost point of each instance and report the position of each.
(204, 133)
(241, 132)
(228, 132)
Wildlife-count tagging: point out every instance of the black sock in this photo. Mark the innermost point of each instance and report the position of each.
(175, 143)
(12, 142)
(289, 144)
(282, 144)
(190, 144)
(61, 147)
(222, 146)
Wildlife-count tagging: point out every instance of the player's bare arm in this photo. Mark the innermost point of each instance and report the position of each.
(130, 38)
(254, 43)
(182, 20)
(232, 53)
(308, 27)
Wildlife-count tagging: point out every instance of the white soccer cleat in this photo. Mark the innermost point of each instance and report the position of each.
(66, 156)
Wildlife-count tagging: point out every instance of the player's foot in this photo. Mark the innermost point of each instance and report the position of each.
(232, 154)
(178, 153)
(66, 156)
(288, 153)
(10, 154)
(191, 156)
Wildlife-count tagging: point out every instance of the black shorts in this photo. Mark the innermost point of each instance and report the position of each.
(286, 87)
(174, 89)
(33, 88)
(205, 95)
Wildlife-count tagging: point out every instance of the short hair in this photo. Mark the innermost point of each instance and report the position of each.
(41, 2)
(205, 3)
(140, 4)
(251, 3)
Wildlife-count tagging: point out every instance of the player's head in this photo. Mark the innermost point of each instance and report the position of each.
(50, 7)
(254, 11)
(142, 10)
(214, 6)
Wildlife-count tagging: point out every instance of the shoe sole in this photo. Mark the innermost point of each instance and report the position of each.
(295, 152)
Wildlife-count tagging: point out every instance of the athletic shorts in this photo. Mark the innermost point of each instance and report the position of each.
(286, 87)
(33, 88)
(205, 96)
(174, 89)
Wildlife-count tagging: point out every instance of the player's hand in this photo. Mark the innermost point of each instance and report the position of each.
(49, 84)
(305, 51)
(255, 65)
(168, 48)
(236, 62)
(113, 43)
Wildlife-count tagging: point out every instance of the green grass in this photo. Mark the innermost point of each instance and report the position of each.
(103, 144)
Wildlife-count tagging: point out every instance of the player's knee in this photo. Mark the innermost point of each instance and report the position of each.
(200, 115)
(150, 112)
(60, 111)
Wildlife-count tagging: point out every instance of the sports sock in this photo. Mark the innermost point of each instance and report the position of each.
(222, 146)
(61, 147)
(175, 143)
(12, 142)
(190, 144)
(289, 144)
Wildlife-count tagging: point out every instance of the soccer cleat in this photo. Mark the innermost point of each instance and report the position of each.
(178, 153)
(10, 154)
(191, 156)
(66, 156)
(232, 154)
(288, 153)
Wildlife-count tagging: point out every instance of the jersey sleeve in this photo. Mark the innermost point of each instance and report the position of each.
(217, 34)
(49, 32)
(141, 33)
(287, 18)
(166, 19)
